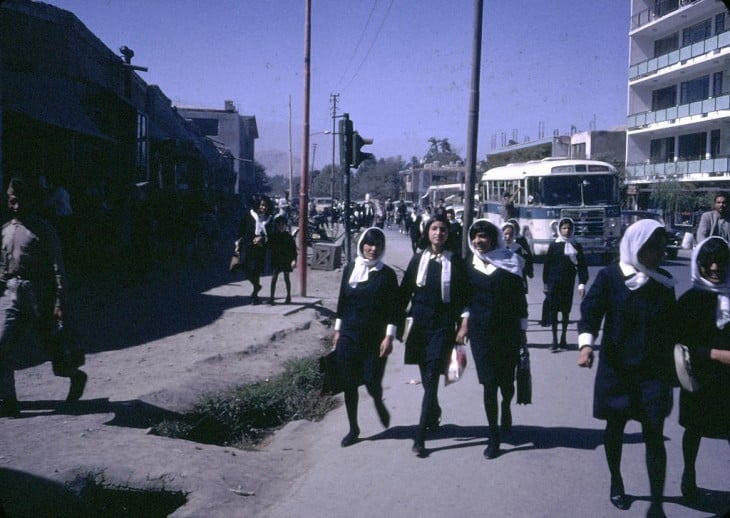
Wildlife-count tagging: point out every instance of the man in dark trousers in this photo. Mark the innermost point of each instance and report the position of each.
(32, 279)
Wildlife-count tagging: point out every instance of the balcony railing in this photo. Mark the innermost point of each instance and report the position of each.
(700, 48)
(681, 169)
(661, 8)
(713, 104)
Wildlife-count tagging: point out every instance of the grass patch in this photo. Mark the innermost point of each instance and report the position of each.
(246, 415)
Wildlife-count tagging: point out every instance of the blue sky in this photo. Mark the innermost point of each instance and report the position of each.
(402, 67)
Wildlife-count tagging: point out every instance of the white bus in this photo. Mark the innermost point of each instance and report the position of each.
(544, 191)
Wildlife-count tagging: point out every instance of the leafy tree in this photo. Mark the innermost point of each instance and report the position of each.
(261, 182)
(440, 150)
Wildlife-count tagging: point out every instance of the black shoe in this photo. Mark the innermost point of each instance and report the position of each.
(563, 343)
(350, 439)
(9, 408)
(287, 300)
(383, 413)
(554, 348)
(255, 300)
(419, 448)
(689, 485)
(492, 451)
(271, 301)
(78, 384)
(618, 496)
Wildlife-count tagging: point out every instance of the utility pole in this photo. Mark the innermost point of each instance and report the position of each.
(291, 168)
(333, 98)
(473, 126)
(304, 180)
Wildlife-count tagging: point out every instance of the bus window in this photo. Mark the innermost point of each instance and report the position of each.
(599, 190)
(562, 190)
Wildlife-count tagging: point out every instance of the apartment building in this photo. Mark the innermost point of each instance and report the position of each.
(678, 123)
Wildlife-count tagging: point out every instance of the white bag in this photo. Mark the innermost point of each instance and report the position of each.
(457, 364)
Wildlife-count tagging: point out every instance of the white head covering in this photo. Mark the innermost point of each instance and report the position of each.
(570, 249)
(498, 257)
(261, 221)
(444, 258)
(363, 266)
(636, 235)
(723, 289)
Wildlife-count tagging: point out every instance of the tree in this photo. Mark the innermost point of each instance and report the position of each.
(440, 151)
(260, 183)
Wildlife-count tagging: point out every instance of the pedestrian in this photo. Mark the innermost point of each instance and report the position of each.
(253, 235)
(365, 327)
(283, 252)
(496, 324)
(564, 260)
(715, 222)
(454, 242)
(414, 230)
(508, 206)
(706, 411)
(635, 300)
(509, 233)
(402, 211)
(33, 279)
(436, 287)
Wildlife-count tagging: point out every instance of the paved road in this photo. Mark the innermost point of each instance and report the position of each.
(553, 463)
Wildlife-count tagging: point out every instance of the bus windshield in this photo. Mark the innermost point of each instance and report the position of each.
(579, 190)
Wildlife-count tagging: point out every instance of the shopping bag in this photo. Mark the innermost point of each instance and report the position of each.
(331, 382)
(457, 364)
(66, 352)
(524, 378)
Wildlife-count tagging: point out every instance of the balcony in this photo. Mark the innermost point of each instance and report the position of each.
(700, 48)
(698, 108)
(659, 10)
(680, 170)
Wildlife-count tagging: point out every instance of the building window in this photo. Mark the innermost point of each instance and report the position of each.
(141, 148)
(662, 7)
(662, 150)
(692, 146)
(666, 45)
(698, 32)
(694, 90)
(720, 23)
(578, 151)
(717, 84)
(715, 143)
(664, 98)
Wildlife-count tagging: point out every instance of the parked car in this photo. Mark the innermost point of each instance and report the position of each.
(674, 236)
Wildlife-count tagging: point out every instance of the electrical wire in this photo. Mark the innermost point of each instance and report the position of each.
(372, 44)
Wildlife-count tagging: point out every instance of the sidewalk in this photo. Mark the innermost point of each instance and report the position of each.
(155, 348)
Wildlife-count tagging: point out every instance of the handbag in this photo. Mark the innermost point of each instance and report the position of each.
(524, 378)
(66, 352)
(331, 382)
(457, 364)
(236, 260)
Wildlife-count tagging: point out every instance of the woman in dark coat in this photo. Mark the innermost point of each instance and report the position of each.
(496, 323)
(706, 305)
(436, 287)
(563, 261)
(365, 327)
(636, 372)
(253, 232)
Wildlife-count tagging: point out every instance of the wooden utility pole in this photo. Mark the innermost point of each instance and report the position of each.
(473, 127)
(304, 180)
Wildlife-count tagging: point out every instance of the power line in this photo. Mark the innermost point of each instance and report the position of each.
(357, 46)
(377, 33)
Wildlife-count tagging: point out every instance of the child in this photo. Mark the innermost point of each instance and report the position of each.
(283, 256)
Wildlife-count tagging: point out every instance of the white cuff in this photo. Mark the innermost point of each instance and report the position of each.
(338, 324)
(391, 330)
(585, 340)
(523, 324)
(465, 314)
(581, 286)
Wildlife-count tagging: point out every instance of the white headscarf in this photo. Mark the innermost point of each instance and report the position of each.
(634, 238)
(363, 266)
(722, 313)
(570, 249)
(497, 257)
(261, 221)
(444, 258)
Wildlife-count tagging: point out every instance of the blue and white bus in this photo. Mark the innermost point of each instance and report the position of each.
(544, 191)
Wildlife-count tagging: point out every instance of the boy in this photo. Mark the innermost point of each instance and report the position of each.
(283, 256)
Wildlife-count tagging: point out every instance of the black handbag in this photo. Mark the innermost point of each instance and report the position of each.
(331, 382)
(524, 378)
(66, 352)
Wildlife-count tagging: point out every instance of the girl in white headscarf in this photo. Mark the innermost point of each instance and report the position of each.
(253, 236)
(365, 327)
(496, 323)
(706, 308)
(635, 300)
(564, 260)
(436, 287)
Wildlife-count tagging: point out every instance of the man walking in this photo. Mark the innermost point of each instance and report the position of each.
(32, 279)
(714, 222)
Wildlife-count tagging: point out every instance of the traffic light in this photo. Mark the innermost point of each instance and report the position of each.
(345, 140)
(358, 156)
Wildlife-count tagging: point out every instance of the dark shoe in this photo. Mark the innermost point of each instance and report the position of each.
(350, 439)
(255, 300)
(419, 448)
(78, 384)
(287, 300)
(563, 343)
(492, 451)
(9, 408)
(618, 496)
(383, 413)
(689, 485)
(554, 348)
(656, 511)
(506, 419)
(271, 301)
